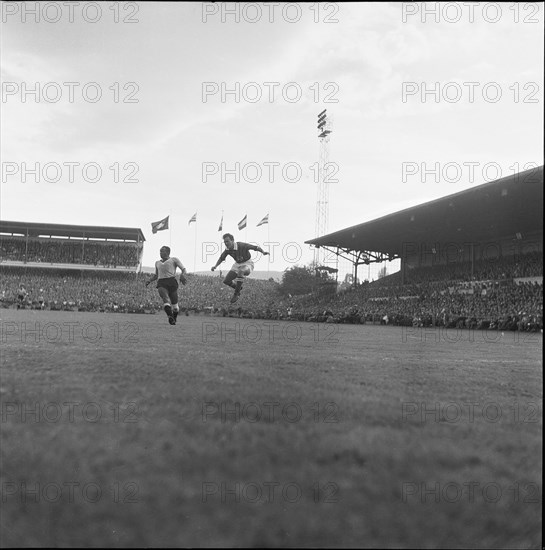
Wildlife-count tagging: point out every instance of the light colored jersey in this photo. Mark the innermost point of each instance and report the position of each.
(167, 269)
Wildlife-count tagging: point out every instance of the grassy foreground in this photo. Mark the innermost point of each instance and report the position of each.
(120, 431)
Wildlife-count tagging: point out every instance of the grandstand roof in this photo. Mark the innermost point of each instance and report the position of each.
(77, 231)
(500, 208)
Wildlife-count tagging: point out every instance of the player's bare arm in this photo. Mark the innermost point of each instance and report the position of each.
(183, 270)
(154, 278)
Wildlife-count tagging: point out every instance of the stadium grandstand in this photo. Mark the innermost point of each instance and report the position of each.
(70, 246)
(473, 259)
(502, 218)
(71, 267)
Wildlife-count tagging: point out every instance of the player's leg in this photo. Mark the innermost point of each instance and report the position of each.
(229, 278)
(243, 270)
(163, 292)
(174, 301)
(233, 280)
(241, 273)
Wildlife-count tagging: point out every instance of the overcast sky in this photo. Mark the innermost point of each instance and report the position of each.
(154, 63)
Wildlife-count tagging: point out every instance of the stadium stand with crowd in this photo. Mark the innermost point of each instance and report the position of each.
(506, 301)
(97, 269)
(69, 245)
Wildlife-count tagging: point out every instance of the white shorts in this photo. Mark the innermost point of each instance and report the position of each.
(236, 266)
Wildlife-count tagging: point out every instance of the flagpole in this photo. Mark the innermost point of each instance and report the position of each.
(269, 256)
(170, 228)
(221, 231)
(195, 250)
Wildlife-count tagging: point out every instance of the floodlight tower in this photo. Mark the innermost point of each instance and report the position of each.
(322, 200)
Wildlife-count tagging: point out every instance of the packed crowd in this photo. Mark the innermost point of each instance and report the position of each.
(55, 251)
(507, 306)
(496, 269)
(55, 289)
(488, 299)
(59, 289)
(496, 301)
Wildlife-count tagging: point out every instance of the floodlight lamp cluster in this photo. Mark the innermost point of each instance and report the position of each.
(322, 122)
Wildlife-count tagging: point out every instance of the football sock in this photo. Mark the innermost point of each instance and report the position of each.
(168, 310)
(175, 311)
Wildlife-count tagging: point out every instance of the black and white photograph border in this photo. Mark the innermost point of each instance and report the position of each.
(271, 274)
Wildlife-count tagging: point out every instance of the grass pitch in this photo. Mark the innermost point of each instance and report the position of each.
(121, 430)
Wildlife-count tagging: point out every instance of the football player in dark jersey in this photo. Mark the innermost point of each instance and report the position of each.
(243, 265)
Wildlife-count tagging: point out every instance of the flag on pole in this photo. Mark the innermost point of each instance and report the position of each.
(221, 224)
(193, 219)
(160, 225)
(242, 223)
(263, 221)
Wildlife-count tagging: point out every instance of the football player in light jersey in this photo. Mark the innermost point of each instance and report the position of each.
(165, 271)
(243, 265)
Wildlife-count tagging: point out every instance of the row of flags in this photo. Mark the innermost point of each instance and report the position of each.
(161, 225)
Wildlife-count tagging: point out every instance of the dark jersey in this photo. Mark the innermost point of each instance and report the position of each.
(241, 252)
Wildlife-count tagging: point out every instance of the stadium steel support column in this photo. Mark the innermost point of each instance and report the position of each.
(356, 264)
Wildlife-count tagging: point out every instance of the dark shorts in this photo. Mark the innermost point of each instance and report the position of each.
(170, 284)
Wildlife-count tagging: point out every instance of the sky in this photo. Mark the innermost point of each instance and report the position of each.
(147, 110)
